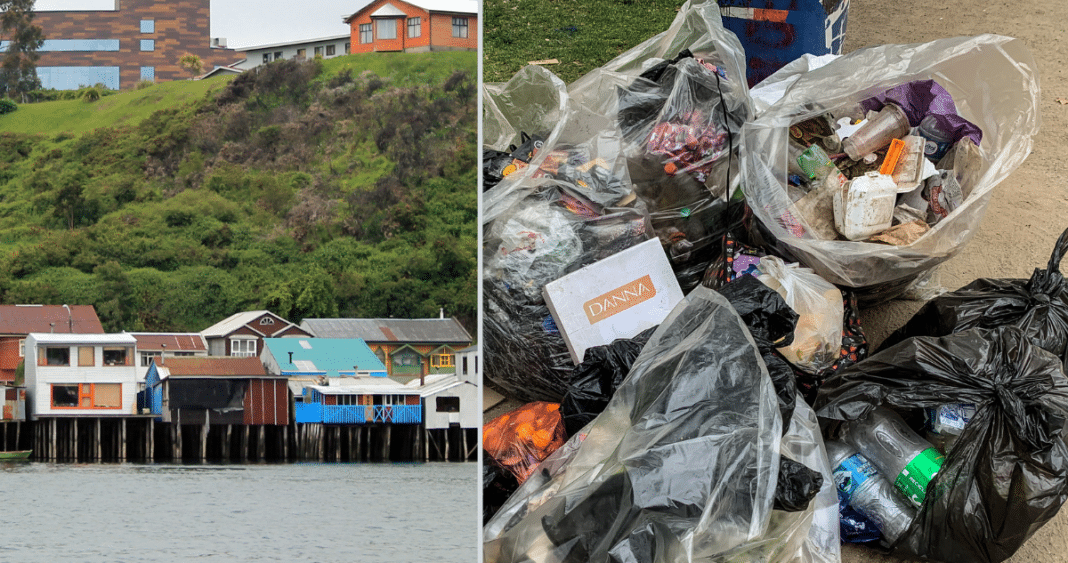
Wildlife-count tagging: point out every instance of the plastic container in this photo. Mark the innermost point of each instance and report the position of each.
(865, 206)
(938, 138)
(861, 486)
(897, 451)
(889, 124)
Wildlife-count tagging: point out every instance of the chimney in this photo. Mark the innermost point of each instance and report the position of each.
(53, 325)
(70, 319)
(291, 357)
(162, 354)
(441, 312)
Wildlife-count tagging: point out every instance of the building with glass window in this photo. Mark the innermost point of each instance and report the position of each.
(81, 375)
(415, 26)
(409, 348)
(323, 47)
(137, 40)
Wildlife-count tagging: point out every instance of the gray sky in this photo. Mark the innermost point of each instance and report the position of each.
(246, 23)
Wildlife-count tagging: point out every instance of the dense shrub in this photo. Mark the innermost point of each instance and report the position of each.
(7, 106)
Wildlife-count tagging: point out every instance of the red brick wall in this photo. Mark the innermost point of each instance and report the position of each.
(441, 33)
(181, 27)
(436, 31)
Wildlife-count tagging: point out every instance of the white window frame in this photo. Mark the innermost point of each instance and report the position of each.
(244, 352)
(415, 27)
(22, 347)
(390, 33)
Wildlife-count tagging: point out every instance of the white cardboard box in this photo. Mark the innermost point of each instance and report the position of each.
(617, 297)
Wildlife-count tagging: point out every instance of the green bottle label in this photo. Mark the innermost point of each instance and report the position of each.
(913, 479)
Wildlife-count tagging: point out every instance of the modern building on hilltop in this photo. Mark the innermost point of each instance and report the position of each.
(324, 47)
(415, 26)
(409, 348)
(136, 40)
(17, 321)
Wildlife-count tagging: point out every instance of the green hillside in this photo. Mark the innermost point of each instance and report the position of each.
(344, 187)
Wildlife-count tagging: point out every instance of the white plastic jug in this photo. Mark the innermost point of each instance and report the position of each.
(865, 206)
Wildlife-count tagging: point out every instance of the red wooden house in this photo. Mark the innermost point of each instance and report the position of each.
(415, 26)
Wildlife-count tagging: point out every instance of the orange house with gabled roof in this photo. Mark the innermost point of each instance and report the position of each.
(415, 26)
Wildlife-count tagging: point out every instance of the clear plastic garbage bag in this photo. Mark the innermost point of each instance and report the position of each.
(682, 464)
(993, 83)
(572, 199)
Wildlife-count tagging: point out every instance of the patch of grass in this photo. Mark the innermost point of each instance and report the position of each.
(406, 69)
(124, 108)
(581, 34)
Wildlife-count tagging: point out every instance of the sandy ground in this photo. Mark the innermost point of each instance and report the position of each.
(1028, 211)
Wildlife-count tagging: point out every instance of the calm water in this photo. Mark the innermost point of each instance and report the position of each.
(288, 512)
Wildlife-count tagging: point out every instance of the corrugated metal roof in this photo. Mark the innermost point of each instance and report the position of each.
(407, 331)
(368, 385)
(332, 355)
(175, 341)
(213, 366)
(24, 319)
(231, 323)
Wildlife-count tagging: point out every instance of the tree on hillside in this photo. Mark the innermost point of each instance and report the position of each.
(18, 67)
(192, 64)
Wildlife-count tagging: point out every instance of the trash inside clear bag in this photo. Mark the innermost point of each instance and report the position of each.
(681, 465)
(993, 84)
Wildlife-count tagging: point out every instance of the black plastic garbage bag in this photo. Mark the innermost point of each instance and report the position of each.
(1039, 306)
(497, 485)
(1007, 474)
(796, 487)
(595, 380)
(681, 466)
(767, 316)
(771, 322)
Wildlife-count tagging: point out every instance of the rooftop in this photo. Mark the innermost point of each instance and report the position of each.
(401, 331)
(212, 367)
(24, 319)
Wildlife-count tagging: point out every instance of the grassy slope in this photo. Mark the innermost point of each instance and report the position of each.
(581, 34)
(45, 145)
(131, 107)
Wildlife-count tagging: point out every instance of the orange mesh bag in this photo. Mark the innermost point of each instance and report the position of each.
(518, 441)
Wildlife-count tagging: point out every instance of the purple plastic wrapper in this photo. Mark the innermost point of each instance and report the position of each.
(922, 98)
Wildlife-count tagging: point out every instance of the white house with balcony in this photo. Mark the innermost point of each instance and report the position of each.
(81, 375)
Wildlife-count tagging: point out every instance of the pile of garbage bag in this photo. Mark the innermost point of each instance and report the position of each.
(644, 147)
(750, 423)
(681, 466)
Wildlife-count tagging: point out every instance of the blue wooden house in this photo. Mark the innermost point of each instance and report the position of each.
(340, 381)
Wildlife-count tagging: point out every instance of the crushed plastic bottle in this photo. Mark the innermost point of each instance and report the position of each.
(861, 486)
(897, 451)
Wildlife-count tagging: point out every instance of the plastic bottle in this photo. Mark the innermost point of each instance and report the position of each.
(865, 489)
(938, 139)
(898, 452)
